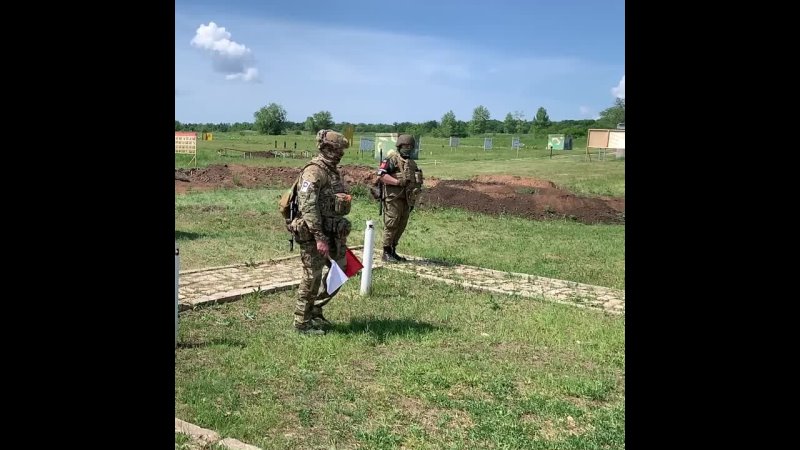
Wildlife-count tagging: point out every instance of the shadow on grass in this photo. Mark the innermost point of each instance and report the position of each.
(383, 328)
(211, 342)
(187, 235)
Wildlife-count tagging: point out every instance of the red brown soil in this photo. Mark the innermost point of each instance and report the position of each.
(488, 194)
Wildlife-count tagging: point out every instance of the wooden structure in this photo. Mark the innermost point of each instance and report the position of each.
(605, 139)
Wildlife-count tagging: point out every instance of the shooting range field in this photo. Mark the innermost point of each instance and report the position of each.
(569, 169)
(417, 363)
(532, 185)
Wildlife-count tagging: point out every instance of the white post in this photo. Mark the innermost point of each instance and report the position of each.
(177, 265)
(366, 272)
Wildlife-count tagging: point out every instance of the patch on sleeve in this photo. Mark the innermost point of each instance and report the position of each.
(304, 187)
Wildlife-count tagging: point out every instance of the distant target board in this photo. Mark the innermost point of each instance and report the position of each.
(605, 139)
(454, 141)
(186, 143)
(555, 141)
(366, 144)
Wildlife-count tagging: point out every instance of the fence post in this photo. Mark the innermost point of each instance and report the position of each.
(366, 256)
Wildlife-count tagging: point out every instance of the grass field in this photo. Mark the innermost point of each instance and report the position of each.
(440, 367)
(414, 365)
(568, 168)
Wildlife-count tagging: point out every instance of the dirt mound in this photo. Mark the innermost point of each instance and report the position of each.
(234, 175)
(489, 194)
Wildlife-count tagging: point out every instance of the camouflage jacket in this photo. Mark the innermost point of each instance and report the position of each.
(317, 201)
(404, 170)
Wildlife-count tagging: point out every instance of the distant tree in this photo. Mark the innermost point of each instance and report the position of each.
(519, 116)
(509, 124)
(461, 129)
(323, 120)
(270, 119)
(430, 125)
(310, 125)
(609, 118)
(541, 121)
(449, 124)
(514, 123)
(480, 116)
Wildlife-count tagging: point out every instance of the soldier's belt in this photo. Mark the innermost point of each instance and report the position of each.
(335, 227)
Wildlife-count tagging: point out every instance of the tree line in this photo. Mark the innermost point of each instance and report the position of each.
(271, 119)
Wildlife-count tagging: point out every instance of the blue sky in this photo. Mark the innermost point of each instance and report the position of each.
(397, 61)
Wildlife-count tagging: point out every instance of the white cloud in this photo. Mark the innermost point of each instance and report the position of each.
(228, 57)
(619, 90)
(251, 74)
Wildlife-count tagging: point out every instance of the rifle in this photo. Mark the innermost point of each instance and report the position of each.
(380, 186)
(291, 219)
(380, 201)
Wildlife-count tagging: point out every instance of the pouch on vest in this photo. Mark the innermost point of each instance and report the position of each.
(418, 178)
(342, 228)
(408, 175)
(342, 204)
(299, 228)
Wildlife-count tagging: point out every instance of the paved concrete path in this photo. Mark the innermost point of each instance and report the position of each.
(228, 283)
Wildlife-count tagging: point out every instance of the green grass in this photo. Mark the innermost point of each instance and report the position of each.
(437, 367)
(243, 225)
(181, 441)
(571, 172)
(568, 169)
(415, 364)
(184, 442)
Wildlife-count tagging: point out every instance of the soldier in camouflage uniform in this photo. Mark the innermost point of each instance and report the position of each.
(321, 229)
(402, 184)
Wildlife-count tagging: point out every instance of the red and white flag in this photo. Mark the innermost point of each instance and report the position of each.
(353, 264)
(337, 276)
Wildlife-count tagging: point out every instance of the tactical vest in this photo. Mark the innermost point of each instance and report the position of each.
(410, 172)
(333, 198)
(334, 203)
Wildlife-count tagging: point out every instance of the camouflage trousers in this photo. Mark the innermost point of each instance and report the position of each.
(395, 218)
(312, 295)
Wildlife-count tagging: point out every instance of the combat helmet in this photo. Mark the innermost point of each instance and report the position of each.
(403, 140)
(332, 138)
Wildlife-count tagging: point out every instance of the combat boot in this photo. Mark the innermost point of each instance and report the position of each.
(309, 331)
(318, 320)
(388, 255)
(321, 321)
(396, 256)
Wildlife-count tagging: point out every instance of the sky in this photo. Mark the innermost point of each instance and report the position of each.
(376, 61)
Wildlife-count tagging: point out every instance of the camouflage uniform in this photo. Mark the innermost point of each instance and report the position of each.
(400, 200)
(321, 219)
